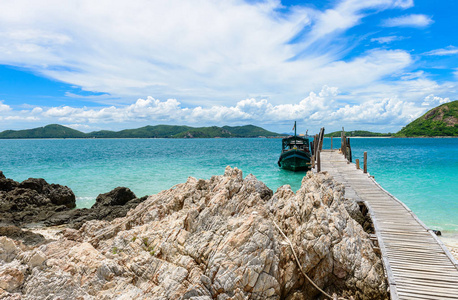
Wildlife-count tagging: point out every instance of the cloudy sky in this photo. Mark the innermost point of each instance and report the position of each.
(372, 64)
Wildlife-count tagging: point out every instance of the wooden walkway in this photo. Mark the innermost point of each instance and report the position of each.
(416, 262)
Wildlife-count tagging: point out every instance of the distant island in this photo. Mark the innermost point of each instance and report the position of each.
(158, 131)
(358, 133)
(439, 121)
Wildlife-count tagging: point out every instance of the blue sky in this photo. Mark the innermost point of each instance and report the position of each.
(373, 64)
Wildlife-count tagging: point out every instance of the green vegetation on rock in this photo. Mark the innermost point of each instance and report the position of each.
(158, 131)
(439, 121)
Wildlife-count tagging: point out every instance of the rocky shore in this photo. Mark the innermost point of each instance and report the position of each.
(36, 203)
(203, 239)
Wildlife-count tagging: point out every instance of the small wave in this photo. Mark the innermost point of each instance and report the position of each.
(84, 202)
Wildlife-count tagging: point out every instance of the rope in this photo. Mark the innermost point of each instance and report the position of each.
(300, 267)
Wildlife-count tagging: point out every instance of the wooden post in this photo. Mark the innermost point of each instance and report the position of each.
(318, 161)
(331, 142)
(342, 141)
(321, 138)
(349, 158)
(357, 163)
(365, 162)
(313, 161)
(315, 144)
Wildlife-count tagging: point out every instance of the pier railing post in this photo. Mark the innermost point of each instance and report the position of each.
(321, 137)
(357, 163)
(349, 158)
(365, 162)
(342, 142)
(318, 161)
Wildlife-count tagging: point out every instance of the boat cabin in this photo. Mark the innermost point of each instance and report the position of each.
(295, 142)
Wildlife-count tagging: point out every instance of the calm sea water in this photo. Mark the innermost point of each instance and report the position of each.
(423, 173)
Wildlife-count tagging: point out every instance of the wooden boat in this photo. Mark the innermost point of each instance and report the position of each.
(295, 154)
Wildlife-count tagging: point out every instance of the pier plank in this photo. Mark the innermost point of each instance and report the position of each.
(417, 264)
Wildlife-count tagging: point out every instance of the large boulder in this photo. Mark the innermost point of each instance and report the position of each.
(213, 239)
(7, 184)
(56, 193)
(108, 206)
(31, 201)
(118, 196)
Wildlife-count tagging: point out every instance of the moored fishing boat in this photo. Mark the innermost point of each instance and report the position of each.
(295, 154)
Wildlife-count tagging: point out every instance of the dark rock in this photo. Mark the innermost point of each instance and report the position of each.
(108, 206)
(7, 184)
(36, 184)
(61, 195)
(27, 237)
(118, 196)
(32, 201)
(36, 201)
(437, 232)
(56, 193)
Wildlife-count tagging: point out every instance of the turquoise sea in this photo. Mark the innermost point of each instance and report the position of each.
(423, 173)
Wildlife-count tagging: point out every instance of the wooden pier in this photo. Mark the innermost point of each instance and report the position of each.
(417, 264)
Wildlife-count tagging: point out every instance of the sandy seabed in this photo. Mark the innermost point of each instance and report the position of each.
(451, 241)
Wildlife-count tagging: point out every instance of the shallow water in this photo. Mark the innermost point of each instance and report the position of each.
(420, 172)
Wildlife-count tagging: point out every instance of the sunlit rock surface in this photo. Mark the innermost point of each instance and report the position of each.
(206, 239)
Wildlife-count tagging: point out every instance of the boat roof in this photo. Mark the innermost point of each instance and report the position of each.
(295, 138)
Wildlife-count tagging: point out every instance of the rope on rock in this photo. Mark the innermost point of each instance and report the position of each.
(302, 271)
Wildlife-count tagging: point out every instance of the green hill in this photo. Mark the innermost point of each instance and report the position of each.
(49, 131)
(439, 121)
(358, 133)
(158, 131)
(204, 132)
(249, 131)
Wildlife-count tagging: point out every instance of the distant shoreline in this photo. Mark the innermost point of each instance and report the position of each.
(197, 138)
(144, 138)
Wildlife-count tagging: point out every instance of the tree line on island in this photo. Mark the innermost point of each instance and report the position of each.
(439, 121)
(158, 131)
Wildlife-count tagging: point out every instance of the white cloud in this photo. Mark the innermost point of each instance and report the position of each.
(387, 111)
(4, 107)
(387, 39)
(206, 52)
(325, 108)
(414, 20)
(20, 118)
(79, 126)
(450, 50)
(36, 110)
(347, 14)
(433, 101)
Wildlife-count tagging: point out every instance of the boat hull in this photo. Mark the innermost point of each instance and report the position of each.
(295, 160)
